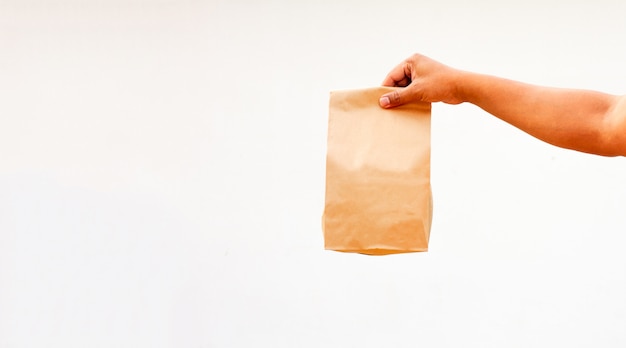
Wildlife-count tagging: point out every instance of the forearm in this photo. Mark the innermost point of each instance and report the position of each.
(568, 118)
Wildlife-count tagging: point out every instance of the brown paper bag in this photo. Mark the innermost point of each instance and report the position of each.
(378, 195)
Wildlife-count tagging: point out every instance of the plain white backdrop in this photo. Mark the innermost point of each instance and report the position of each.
(162, 178)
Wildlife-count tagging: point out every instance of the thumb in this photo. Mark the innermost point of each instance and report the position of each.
(393, 99)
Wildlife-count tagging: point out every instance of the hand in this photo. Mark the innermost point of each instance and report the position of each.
(424, 80)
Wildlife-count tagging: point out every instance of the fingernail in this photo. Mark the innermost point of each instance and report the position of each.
(384, 101)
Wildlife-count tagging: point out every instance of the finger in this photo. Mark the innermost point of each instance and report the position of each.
(398, 76)
(405, 82)
(395, 98)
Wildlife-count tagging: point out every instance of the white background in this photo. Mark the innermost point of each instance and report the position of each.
(162, 178)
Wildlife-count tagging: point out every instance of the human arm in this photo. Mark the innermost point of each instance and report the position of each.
(580, 120)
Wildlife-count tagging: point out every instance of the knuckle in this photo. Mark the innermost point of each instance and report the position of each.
(415, 57)
(394, 98)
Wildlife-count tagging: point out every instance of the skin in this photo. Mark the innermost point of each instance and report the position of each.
(581, 120)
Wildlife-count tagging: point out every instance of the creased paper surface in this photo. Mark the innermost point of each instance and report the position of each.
(378, 195)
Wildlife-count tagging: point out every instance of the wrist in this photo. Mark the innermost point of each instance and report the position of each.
(462, 86)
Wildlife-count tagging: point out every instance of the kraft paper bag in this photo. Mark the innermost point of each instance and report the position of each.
(378, 194)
